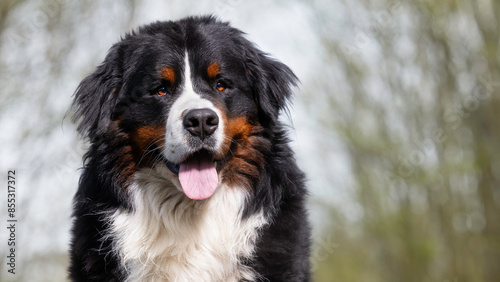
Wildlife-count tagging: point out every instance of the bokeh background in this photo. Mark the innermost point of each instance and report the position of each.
(396, 123)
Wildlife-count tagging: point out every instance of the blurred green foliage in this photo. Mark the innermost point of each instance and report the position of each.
(418, 112)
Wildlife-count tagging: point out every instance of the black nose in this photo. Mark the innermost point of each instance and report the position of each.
(201, 122)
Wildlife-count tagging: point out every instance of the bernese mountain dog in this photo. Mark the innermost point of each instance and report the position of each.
(189, 175)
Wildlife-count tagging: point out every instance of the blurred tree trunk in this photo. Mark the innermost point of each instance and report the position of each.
(485, 126)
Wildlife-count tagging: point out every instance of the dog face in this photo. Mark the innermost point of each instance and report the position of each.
(193, 99)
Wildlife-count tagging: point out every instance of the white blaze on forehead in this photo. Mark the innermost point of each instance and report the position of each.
(176, 138)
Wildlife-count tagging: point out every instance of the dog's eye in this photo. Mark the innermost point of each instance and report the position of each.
(161, 91)
(221, 86)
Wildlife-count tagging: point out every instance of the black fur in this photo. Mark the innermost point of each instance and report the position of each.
(116, 99)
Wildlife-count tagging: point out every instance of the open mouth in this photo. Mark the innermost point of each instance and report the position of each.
(174, 168)
(197, 175)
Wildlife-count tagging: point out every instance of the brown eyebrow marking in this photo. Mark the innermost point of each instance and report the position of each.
(168, 74)
(213, 70)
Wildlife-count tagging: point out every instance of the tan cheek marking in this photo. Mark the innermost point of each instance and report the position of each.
(245, 161)
(124, 166)
(235, 129)
(239, 128)
(142, 140)
(145, 136)
(213, 70)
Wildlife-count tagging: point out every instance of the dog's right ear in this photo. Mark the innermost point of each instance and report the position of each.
(95, 98)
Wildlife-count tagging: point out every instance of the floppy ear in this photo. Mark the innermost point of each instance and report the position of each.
(272, 81)
(95, 97)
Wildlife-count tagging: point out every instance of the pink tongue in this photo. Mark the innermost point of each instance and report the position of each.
(198, 177)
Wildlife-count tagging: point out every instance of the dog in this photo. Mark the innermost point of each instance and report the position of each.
(189, 175)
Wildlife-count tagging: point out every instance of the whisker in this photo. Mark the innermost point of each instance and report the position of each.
(153, 143)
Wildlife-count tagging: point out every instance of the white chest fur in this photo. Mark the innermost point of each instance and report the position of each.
(169, 237)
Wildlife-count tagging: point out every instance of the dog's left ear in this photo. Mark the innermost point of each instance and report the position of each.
(272, 81)
(95, 97)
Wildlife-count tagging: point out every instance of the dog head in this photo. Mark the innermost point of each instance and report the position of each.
(191, 98)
